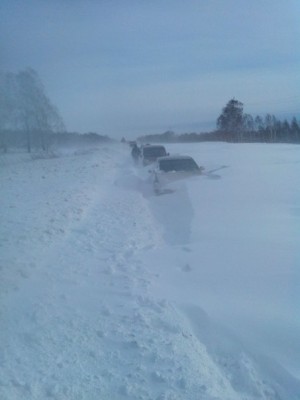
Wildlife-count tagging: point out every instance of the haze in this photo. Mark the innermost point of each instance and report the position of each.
(138, 67)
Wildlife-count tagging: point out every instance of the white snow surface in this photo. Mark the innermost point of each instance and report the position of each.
(111, 292)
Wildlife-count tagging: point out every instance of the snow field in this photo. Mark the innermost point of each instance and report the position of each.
(243, 244)
(101, 287)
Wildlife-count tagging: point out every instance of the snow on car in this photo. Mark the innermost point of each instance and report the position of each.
(170, 168)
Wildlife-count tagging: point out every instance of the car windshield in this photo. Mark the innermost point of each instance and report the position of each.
(185, 164)
(158, 151)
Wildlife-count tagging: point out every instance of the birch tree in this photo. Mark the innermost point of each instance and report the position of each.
(25, 108)
(37, 115)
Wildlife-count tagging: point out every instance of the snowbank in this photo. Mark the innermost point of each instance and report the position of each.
(108, 291)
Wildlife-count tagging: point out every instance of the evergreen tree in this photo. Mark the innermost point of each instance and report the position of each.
(286, 131)
(295, 130)
(231, 121)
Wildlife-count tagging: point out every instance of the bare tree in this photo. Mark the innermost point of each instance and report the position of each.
(37, 116)
(8, 110)
(26, 109)
(270, 127)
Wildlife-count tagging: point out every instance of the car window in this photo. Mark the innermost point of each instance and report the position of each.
(178, 165)
(154, 152)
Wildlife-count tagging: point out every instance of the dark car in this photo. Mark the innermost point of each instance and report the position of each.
(173, 168)
(150, 153)
(177, 163)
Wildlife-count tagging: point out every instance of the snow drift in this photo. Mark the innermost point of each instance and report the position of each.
(108, 291)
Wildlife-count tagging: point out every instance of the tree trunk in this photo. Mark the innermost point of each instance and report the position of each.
(28, 140)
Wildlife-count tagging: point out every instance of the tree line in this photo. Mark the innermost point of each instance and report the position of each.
(233, 125)
(29, 119)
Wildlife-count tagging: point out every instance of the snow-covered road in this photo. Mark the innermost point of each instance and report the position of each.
(100, 286)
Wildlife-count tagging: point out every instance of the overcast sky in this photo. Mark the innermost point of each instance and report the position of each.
(130, 67)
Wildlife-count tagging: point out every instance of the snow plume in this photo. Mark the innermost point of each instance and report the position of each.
(108, 291)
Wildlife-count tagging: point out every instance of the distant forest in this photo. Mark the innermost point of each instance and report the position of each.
(233, 125)
(29, 120)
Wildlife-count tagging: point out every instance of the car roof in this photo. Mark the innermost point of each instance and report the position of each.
(153, 145)
(175, 157)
